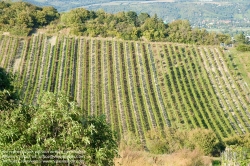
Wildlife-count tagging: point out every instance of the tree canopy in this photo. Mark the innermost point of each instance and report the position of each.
(242, 42)
(8, 95)
(20, 17)
(55, 127)
(131, 26)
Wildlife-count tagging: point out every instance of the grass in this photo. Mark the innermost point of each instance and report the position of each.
(239, 63)
(183, 157)
(216, 162)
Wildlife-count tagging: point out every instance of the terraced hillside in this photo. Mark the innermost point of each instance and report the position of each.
(137, 85)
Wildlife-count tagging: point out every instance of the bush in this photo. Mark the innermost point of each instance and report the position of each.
(240, 140)
(243, 47)
(203, 139)
(156, 143)
(57, 125)
(130, 141)
(8, 94)
(173, 140)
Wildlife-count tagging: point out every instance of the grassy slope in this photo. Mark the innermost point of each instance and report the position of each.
(242, 62)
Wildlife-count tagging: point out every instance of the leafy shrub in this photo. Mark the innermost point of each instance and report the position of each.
(203, 139)
(173, 140)
(130, 141)
(8, 95)
(57, 125)
(239, 140)
(243, 47)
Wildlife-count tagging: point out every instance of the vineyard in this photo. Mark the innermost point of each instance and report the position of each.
(137, 85)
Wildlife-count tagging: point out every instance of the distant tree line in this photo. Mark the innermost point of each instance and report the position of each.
(19, 18)
(133, 26)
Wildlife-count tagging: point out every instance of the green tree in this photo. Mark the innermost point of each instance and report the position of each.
(142, 18)
(241, 38)
(8, 95)
(131, 17)
(57, 124)
(76, 17)
(204, 139)
(50, 13)
(24, 18)
(20, 17)
(45, 16)
(179, 30)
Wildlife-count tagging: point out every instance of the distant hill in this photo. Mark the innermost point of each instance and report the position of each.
(223, 15)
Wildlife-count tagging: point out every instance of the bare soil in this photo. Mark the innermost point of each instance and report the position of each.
(52, 40)
(16, 64)
(6, 33)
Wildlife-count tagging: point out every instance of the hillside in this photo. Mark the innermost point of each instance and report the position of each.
(230, 16)
(137, 85)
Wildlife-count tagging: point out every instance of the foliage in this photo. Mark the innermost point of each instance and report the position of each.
(130, 26)
(6, 80)
(102, 147)
(173, 140)
(8, 100)
(240, 140)
(130, 141)
(57, 124)
(170, 141)
(20, 17)
(241, 38)
(205, 140)
(236, 155)
(76, 17)
(205, 14)
(243, 47)
(181, 31)
(242, 43)
(8, 95)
